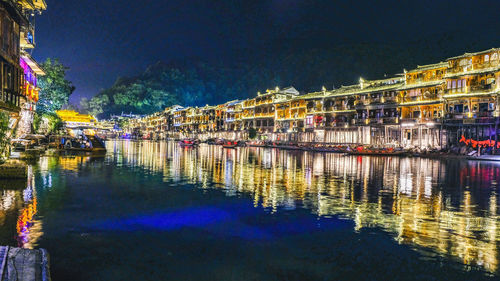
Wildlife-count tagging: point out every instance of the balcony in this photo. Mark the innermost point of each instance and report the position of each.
(470, 115)
(417, 100)
(474, 67)
(471, 89)
(390, 120)
(425, 120)
(423, 80)
(313, 109)
(27, 39)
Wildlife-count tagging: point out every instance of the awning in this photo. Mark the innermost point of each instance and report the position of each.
(32, 64)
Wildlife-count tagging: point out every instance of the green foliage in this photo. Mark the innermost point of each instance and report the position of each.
(37, 119)
(123, 123)
(54, 122)
(4, 139)
(96, 105)
(252, 133)
(54, 88)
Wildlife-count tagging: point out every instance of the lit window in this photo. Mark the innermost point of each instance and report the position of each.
(486, 58)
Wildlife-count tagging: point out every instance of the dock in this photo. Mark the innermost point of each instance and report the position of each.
(19, 264)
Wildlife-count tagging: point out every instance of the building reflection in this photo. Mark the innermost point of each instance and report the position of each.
(18, 207)
(28, 228)
(449, 207)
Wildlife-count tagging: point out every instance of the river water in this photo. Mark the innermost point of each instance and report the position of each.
(155, 211)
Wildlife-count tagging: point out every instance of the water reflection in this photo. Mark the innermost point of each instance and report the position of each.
(19, 223)
(449, 207)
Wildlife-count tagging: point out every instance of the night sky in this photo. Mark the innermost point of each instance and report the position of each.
(102, 40)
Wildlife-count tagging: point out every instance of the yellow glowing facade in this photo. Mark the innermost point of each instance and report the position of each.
(421, 107)
(72, 118)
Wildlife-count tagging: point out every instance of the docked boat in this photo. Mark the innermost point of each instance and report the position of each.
(286, 146)
(188, 143)
(377, 152)
(28, 147)
(326, 148)
(230, 144)
(84, 143)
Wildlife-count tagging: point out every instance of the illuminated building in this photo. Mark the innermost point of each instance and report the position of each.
(30, 92)
(18, 70)
(421, 105)
(471, 95)
(431, 106)
(232, 118)
(72, 119)
(12, 19)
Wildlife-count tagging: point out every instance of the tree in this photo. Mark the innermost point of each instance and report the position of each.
(95, 105)
(55, 89)
(252, 133)
(54, 122)
(4, 136)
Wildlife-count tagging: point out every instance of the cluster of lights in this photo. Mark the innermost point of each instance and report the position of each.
(31, 92)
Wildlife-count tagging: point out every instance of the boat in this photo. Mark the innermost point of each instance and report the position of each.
(376, 152)
(214, 141)
(230, 144)
(85, 143)
(286, 146)
(188, 143)
(330, 149)
(28, 147)
(256, 144)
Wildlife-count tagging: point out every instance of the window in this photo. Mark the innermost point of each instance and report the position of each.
(486, 58)
(459, 108)
(454, 84)
(483, 107)
(309, 120)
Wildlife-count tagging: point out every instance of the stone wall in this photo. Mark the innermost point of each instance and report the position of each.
(13, 169)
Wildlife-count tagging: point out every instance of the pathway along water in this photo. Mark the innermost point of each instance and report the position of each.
(156, 211)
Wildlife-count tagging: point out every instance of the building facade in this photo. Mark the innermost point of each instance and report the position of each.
(18, 70)
(431, 106)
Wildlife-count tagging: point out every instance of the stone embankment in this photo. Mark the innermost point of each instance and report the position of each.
(13, 169)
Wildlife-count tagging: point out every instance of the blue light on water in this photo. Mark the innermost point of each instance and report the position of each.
(168, 220)
(230, 220)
